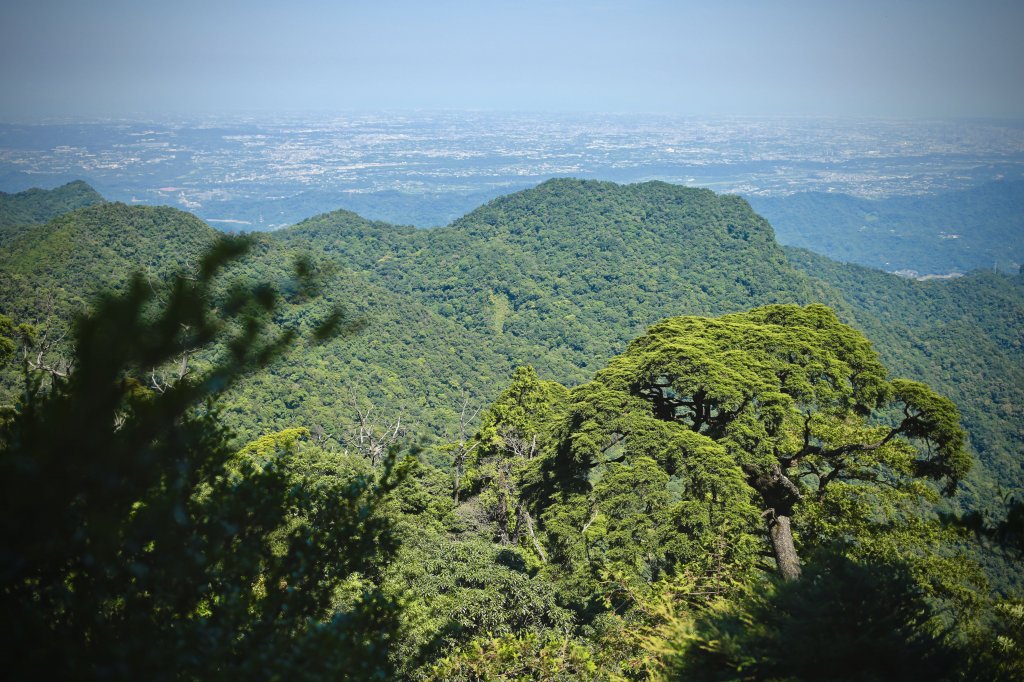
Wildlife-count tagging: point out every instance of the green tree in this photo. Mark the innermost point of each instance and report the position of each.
(518, 657)
(847, 621)
(137, 542)
(782, 406)
(513, 433)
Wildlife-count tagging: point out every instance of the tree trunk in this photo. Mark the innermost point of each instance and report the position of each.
(524, 518)
(502, 517)
(785, 551)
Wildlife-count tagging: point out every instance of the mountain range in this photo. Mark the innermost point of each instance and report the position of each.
(559, 276)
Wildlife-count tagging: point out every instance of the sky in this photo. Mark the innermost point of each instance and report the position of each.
(910, 58)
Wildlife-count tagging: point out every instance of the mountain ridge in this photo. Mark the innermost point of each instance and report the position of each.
(35, 205)
(560, 276)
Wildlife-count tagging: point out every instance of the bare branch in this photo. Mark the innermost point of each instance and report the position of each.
(176, 373)
(373, 436)
(43, 354)
(521, 446)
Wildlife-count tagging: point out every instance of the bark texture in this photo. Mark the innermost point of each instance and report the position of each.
(782, 545)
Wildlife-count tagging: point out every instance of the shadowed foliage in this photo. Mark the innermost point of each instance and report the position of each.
(138, 543)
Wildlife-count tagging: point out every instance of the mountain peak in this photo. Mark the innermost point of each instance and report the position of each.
(35, 206)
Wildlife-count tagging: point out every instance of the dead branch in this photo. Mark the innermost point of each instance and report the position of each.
(373, 436)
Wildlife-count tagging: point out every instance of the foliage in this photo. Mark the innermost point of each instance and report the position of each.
(458, 590)
(843, 621)
(1006, 532)
(567, 273)
(767, 408)
(678, 460)
(519, 658)
(137, 543)
(514, 431)
(962, 336)
(997, 653)
(620, 527)
(36, 206)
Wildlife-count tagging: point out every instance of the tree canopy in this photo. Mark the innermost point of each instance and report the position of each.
(197, 480)
(139, 542)
(707, 428)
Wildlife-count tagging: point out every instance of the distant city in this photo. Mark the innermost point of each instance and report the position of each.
(427, 168)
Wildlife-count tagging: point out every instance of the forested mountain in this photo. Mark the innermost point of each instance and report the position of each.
(51, 273)
(81, 253)
(36, 206)
(981, 227)
(40, 205)
(685, 420)
(559, 277)
(562, 275)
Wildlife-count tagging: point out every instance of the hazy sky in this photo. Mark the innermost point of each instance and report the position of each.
(903, 58)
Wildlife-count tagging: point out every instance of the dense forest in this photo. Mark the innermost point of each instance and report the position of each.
(954, 231)
(586, 431)
(24, 209)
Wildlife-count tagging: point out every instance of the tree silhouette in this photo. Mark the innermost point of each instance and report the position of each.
(139, 543)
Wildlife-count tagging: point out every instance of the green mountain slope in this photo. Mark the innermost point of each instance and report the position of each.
(78, 254)
(954, 231)
(18, 212)
(41, 205)
(560, 276)
(407, 361)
